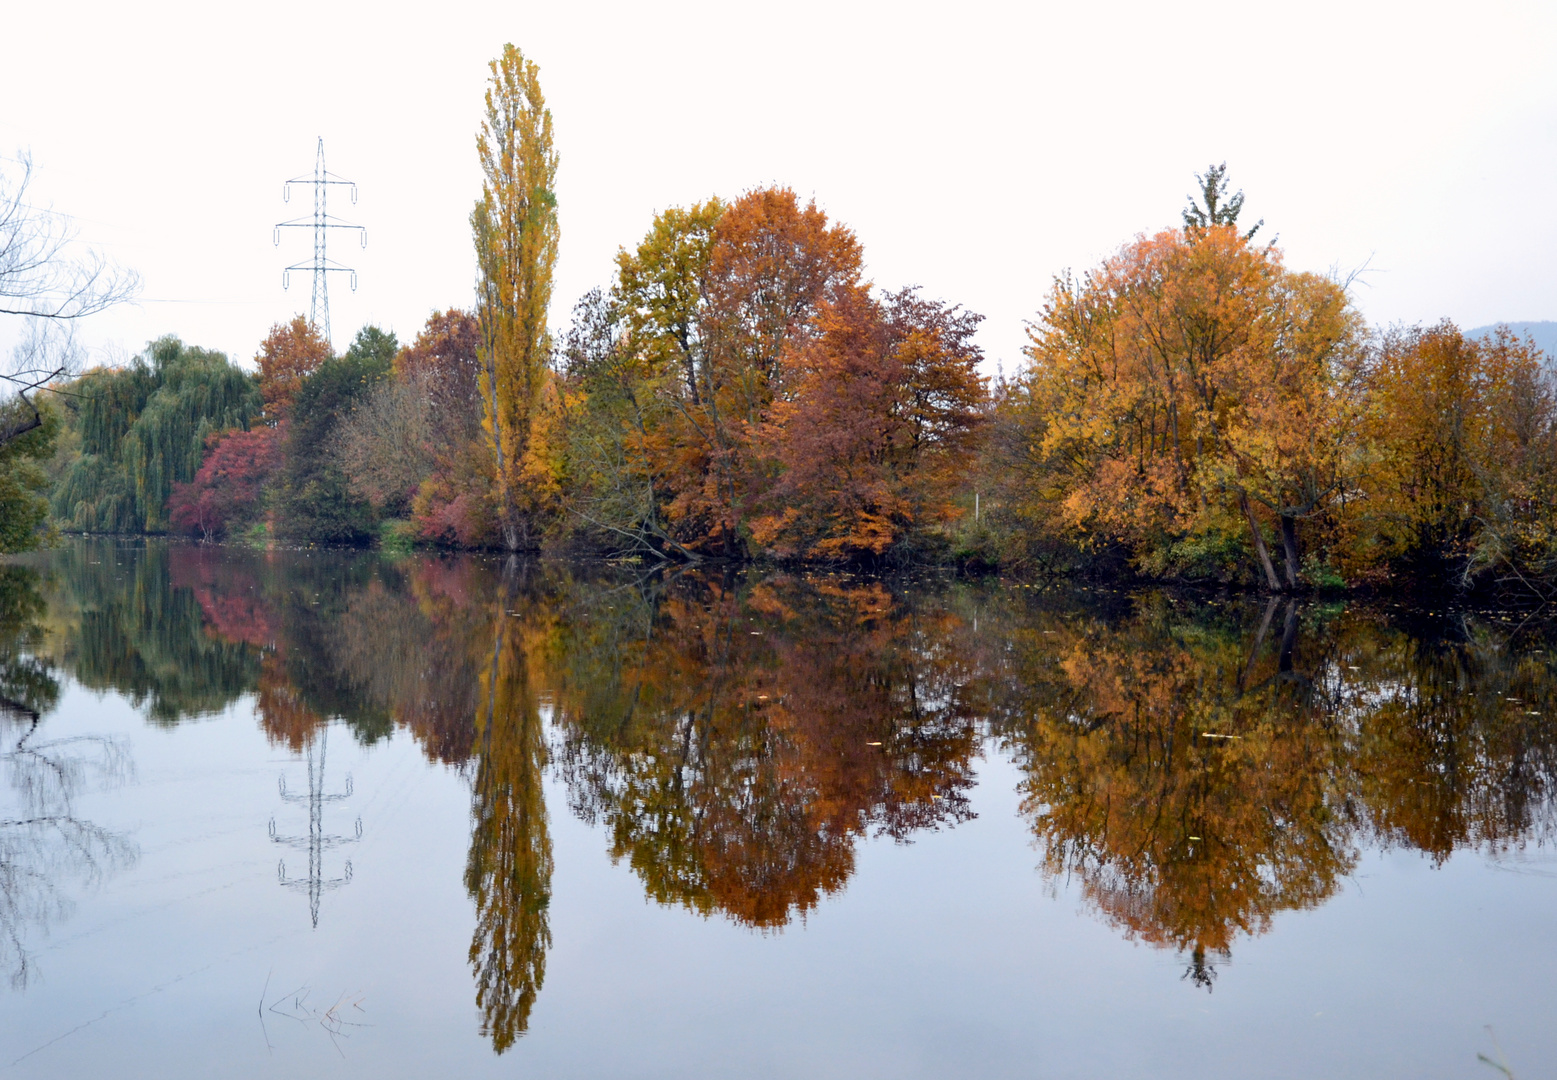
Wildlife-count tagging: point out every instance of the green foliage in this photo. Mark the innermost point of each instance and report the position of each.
(397, 537)
(27, 683)
(130, 628)
(24, 506)
(316, 503)
(374, 346)
(142, 429)
(1320, 574)
(1219, 554)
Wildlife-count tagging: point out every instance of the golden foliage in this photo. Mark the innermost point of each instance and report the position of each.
(516, 233)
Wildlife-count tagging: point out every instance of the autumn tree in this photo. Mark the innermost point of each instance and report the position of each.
(429, 435)
(636, 359)
(386, 445)
(710, 302)
(1192, 389)
(229, 490)
(885, 399)
(447, 353)
(314, 499)
(1464, 438)
(288, 355)
(613, 427)
(516, 232)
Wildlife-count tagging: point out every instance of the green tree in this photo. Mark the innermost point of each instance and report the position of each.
(516, 233)
(24, 506)
(143, 429)
(1215, 206)
(316, 502)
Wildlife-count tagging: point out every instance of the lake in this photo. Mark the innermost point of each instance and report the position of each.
(325, 813)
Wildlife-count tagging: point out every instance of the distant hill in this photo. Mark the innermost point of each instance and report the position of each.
(1544, 333)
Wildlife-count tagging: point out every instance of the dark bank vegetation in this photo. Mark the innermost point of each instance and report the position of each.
(1191, 409)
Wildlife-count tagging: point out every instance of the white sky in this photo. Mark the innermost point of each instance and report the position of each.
(976, 148)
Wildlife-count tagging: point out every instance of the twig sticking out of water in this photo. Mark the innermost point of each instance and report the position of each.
(1501, 1064)
(332, 1020)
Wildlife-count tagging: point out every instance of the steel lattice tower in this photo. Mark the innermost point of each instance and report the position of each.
(317, 842)
(321, 222)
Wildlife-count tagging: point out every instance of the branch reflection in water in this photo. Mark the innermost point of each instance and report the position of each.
(45, 846)
(1193, 766)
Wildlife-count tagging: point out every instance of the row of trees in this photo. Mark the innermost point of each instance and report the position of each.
(1191, 408)
(1194, 408)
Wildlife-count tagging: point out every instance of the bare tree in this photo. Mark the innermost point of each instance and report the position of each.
(45, 846)
(46, 355)
(46, 279)
(42, 273)
(386, 445)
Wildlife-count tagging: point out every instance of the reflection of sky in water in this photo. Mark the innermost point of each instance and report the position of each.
(951, 955)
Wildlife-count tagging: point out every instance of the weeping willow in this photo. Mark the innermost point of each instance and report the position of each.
(143, 429)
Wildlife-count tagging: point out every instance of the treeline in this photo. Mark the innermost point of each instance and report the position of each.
(1190, 409)
(1193, 408)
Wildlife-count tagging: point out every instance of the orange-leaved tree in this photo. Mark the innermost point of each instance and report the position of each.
(772, 264)
(289, 354)
(884, 399)
(1194, 389)
(1464, 440)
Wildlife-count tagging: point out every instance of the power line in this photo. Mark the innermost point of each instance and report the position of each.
(321, 222)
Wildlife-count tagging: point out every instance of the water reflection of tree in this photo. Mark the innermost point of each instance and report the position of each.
(44, 845)
(737, 737)
(508, 871)
(125, 625)
(737, 741)
(1454, 734)
(1197, 769)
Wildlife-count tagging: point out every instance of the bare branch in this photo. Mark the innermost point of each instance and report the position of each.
(42, 276)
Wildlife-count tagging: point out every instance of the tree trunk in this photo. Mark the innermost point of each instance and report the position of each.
(1289, 550)
(1259, 544)
(1289, 632)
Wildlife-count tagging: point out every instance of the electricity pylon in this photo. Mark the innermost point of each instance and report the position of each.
(321, 222)
(317, 841)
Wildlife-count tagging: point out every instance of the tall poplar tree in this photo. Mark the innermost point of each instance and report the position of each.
(516, 231)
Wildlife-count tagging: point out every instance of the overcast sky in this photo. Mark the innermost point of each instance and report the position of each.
(976, 148)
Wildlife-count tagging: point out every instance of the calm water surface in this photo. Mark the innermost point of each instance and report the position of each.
(329, 814)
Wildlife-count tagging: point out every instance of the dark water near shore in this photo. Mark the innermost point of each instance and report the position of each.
(331, 814)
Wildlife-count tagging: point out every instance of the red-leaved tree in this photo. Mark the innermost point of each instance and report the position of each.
(229, 489)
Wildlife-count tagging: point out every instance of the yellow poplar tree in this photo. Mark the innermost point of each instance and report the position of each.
(516, 231)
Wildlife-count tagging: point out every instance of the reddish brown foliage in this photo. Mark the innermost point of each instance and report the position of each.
(444, 353)
(289, 354)
(772, 265)
(886, 398)
(228, 489)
